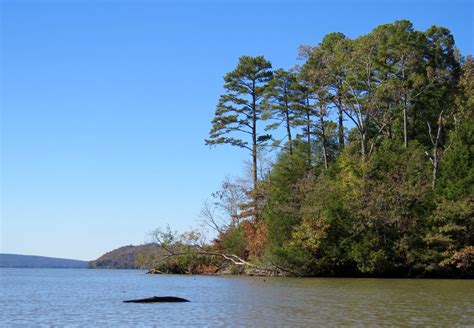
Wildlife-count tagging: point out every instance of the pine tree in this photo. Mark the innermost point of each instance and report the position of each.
(282, 100)
(240, 109)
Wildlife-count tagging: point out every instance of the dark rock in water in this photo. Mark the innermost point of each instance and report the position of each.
(158, 299)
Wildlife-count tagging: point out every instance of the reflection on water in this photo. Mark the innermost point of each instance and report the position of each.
(94, 298)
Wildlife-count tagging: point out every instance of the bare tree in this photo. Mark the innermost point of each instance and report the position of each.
(212, 218)
(437, 151)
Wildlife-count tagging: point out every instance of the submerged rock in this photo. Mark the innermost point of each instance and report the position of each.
(158, 299)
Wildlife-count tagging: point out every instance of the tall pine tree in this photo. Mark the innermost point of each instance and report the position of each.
(240, 109)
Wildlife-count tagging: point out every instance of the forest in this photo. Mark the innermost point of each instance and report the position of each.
(360, 162)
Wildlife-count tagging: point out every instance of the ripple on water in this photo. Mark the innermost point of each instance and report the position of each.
(71, 297)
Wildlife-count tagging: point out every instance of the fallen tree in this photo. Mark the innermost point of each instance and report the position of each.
(189, 253)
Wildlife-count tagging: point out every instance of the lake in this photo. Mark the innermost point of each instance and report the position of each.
(75, 297)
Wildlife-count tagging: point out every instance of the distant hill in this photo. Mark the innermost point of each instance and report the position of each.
(124, 257)
(30, 261)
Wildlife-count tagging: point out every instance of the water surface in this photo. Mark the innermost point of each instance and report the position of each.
(71, 297)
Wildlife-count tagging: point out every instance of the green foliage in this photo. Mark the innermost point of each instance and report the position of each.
(457, 170)
(281, 212)
(368, 256)
(233, 241)
(388, 210)
(323, 232)
(239, 109)
(393, 196)
(451, 230)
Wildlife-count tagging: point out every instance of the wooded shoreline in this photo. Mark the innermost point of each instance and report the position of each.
(361, 163)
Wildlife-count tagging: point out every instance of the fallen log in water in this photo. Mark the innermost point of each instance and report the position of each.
(158, 299)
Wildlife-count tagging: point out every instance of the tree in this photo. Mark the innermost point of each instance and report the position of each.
(465, 99)
(225, 209)
(456, 178)
(439, 105)
(282, 209)
(322, 73)
(366, 202)
(400, 56)
(360, 84)
(319, 97)
(450, 235)
(304, 114)
(240, 109)
(330, 54)
(282, 99)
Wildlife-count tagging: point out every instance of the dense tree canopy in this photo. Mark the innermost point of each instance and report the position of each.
(374, 169)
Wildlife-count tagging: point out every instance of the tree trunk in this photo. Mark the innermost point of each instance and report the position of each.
(288, 128)
(435, 170)
(308, 127)
(323, 137)
(340, 124)
(254, 153)
(405, 133)
(363, 144)
(435, 141)
(254, 140)
(405, 108)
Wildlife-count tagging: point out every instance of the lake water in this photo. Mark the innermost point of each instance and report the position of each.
(69, 297)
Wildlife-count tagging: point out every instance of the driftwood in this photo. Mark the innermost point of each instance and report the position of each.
(158, 299)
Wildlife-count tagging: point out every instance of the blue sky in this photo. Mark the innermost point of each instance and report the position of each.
(105, 106)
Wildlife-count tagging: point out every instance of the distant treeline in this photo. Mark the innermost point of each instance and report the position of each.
(374, 170)
(30, 261)
(126, 257)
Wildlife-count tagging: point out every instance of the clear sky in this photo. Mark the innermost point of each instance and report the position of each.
(105, 106)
